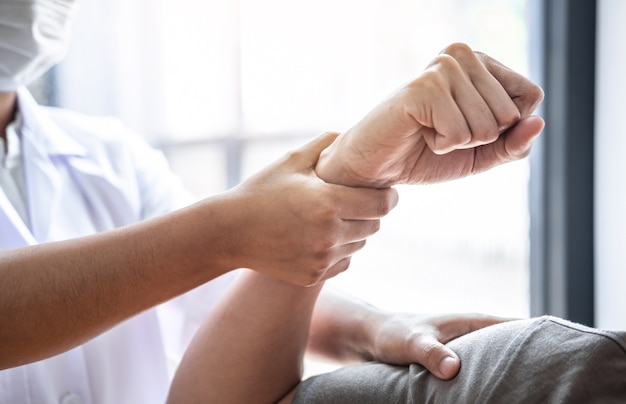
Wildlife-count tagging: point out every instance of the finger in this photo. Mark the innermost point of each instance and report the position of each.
(358, 230)
(483, 125)
(332, 263)
(462, 118)
(449, 130)
(307, 155)
(518, 140)
(363, 203)
(436, 357)
(512, 145)
(344, 255)
(349, 249)
(445, 126)
(440, 360)
(451, 326)
(337, 268)
(503, 109)
(525, 94)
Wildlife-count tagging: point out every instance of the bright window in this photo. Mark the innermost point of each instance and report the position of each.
(225, 87)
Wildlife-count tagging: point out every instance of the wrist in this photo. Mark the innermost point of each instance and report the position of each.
(373, 321)
(360, 333)
(332, 167)
(341, 163)
(202, 239)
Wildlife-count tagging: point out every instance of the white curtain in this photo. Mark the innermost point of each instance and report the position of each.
(162, 66)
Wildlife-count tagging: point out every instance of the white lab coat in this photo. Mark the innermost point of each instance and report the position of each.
(85, 175)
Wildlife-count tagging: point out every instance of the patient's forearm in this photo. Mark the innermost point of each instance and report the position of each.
(341, 328)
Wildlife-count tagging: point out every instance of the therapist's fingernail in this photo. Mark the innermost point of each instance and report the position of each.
(448, 367)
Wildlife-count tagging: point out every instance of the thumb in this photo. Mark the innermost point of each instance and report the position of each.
(310, 152)
(518, 140)
(437, 358)
(513, 145)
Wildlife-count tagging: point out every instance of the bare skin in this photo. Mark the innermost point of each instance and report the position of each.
(477, 116)
(465, 114)
(251, 347)
(56, 296)
(167, 256)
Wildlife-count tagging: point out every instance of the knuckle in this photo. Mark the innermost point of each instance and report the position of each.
(458, 138)
(435, 81)
(437, 74)
(315, 273)
(536, 94)
(488, 135)
(312, 278)
(441, 147)
(491, 136)
(451, 140)
(326, 211)
(510, 118)
(458, 49)
(322, 261)
(326, 218)
(428, 351)
(447, 63)
(323, 245)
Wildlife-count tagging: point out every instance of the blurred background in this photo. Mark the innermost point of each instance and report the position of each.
(224, 87)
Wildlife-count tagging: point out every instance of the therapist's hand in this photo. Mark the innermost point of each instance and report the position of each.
(464, 114)
(291, 225)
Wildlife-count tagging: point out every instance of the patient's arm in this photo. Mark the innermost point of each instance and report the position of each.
(251, 345)
(464, 114)
(348, 330)
(539, 360)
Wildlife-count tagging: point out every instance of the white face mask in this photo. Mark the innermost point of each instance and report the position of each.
(34, 36)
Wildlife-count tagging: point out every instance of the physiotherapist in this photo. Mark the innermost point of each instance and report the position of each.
(62, 176)
(97, 237)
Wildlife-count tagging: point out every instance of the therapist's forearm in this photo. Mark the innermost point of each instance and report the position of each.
(56, 296)
(283, 222)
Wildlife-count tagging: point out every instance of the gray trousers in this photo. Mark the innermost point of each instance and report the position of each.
(540, 360)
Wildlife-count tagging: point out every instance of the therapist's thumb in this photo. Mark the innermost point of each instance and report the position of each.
(309, 154)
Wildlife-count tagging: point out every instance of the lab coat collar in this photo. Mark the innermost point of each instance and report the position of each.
(43, 141)
(36, 123)
(13, 231)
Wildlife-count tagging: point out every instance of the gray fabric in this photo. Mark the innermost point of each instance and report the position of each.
(540, 360)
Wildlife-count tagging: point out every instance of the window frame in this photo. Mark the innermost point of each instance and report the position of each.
(562, 163)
